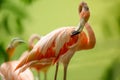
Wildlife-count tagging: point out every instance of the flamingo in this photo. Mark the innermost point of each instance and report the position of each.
(36, 66)
(65, 59)
(61, 44)
(7, 68)
(31, 40)
(7, 72)
(30, 46)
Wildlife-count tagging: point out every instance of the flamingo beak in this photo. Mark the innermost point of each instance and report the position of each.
(79, 28)
(84, 15)
(15, 42)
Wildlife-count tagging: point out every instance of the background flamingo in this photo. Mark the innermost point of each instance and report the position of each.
(61, 44)
(37, 66)
(31, 42)
(7, 68)
(7, 72)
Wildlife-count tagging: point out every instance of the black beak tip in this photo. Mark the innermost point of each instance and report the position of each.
(75, 33)
(22, 42)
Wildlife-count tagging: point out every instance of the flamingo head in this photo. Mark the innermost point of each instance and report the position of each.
(13, 44)
(80, 6)
(84, 16)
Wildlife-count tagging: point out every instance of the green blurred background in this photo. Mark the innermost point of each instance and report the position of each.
(22, 18)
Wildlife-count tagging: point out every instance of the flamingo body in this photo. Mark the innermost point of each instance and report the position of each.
(55, 44)
(7, 72)
(61, 44)
(7, 68)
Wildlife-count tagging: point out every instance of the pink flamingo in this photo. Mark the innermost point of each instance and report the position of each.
(61, 44)
(84, 15)
(30, 46)
(7, 72)
(31, 41)
(7, 68)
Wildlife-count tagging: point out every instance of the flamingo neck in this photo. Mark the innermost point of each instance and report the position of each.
(91, 37)
(32, 39)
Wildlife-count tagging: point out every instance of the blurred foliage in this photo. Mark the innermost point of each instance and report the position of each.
(113, 72)
(106, 29)
(110, 26)
(12, 15)
(3, 54)
(118, 21)
(28, 1)
(114, 17)
(19, 24)
(5, 24)
(11, 11)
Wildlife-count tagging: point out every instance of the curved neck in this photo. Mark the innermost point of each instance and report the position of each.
(32, 39)
(91, 37)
